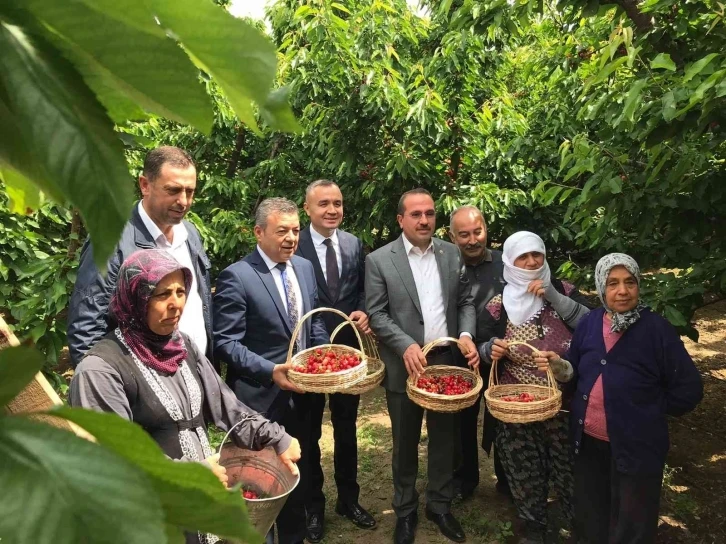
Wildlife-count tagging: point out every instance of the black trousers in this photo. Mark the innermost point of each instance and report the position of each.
(343, 415)
(466, 476)
(443, 428)
(612, 507)
(294, 415)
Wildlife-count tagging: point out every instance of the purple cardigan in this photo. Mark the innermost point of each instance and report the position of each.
(647, 375)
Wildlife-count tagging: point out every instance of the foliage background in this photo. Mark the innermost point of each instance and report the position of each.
(599, 127)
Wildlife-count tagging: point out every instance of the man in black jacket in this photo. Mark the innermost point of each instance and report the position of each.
(168, 183)
(339, 264)
(485, 272)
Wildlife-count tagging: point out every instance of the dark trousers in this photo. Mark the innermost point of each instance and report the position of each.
(343, 415)
(612, 507)
(294, 415)
(406, 419)
(466, 476)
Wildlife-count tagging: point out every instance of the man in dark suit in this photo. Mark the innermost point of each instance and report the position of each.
(339, 264)
(485, 271)
(417, 292)
(258, 302)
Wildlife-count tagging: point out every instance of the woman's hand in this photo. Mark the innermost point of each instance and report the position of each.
(290, 456)
(218, 470)
(543, 359)
(536, 287)
(500, 348)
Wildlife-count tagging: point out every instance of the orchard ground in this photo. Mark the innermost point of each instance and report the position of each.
(693, 508)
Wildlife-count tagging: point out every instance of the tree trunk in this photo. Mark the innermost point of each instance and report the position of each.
(76, 226)
(273, 153)
(236, 154)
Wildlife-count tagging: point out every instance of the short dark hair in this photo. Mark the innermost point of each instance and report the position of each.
(166, 154)
(402, 203)
(319, 183)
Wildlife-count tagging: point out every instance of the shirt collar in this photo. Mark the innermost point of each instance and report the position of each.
(408, 246)
(318, 238)
(180, 231)
(487, 258)
(269, 262)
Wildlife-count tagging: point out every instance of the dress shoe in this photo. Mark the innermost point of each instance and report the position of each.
(355, 513)
(405, 532)
(448, 525)
(314, 528)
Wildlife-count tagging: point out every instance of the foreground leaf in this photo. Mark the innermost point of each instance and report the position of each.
(61, 489)
(18, 365)
(149, 71)
(190, 494)
(61, 138)
(25, 197)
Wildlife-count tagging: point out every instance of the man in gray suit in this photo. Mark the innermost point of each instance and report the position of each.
(417, 291)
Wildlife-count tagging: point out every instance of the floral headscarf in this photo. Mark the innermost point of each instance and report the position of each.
(620, 321)
(137, 279)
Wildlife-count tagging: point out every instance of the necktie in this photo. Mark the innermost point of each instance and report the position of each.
(291, 302)
(331, 269)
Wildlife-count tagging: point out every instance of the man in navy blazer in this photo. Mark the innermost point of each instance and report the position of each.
(339, 264)
(258, 302)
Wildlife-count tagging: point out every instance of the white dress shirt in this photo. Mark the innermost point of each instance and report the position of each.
(428, 285)
(277, 276)
(321, 249)
(192, 319)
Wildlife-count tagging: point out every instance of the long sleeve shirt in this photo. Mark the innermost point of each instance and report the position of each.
(646, 376)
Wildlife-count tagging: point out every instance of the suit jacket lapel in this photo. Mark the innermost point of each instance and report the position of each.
(400, 261)
(346, 256)
(443, 272)
(307, 250)
(306, 305)
(269, 282)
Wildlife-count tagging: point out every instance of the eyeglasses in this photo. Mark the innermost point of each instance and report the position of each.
(430, 214)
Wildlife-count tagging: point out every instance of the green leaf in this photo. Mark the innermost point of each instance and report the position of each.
(616, 185)
(670, 108)
(675, 317)
(237, 56)
(58, 488)
(277, 113)
(23, 195)
(663, 60)
(149, 71)
(633, 99)
(698, 66)
(61, 138)
(190, 494)
(18, 365)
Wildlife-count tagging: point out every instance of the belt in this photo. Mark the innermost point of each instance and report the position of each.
(439, 350)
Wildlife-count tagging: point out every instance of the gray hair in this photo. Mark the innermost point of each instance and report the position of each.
(273, 205)
(467, 208)
(319, 183)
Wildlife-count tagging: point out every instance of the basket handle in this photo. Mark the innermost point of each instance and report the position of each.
(314, 311)
(368, 346)
(246, 417)
(443, 340)
(493, 375)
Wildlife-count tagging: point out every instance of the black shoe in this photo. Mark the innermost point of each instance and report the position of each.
(355, 513)
(448, 525)
(315, 524)
(405, 532)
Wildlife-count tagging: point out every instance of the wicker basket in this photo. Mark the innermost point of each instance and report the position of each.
(522, 412)
(335, 382)
(376, 368)
(444, 403)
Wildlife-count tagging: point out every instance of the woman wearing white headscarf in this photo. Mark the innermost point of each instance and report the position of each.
(542, 311)
(631, 371)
